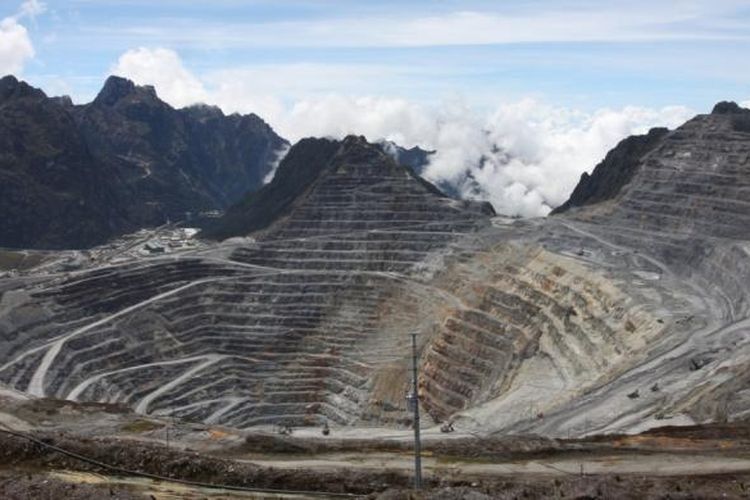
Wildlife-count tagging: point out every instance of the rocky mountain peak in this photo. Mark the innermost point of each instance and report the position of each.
(353, 140)
(8, 84)
(729, 108)
(356, 151)
(12, 88)
(732, 116)
(614, 172)
(126, 161)
(204, 112)
(415, 158)
(358, 173)
(117, 88)
(688, 182)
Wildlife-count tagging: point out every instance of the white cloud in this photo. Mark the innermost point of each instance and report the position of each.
(280, 154)
(265, 88)
(15, 46)
(31, 8)
(745, 104)
(15, 43)
(394, 119)
(532, 154)
(525, 157)
(162, 68)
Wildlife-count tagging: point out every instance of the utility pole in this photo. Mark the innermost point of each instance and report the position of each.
(414, 401)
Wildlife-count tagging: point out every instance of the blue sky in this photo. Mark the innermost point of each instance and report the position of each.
(577, 53)
(552, 84)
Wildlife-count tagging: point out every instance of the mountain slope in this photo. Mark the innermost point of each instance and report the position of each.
(51, 191)
(279, 329)
(307, 165)
(612, 174)
(78, 175)
(693, 180)
(300, 167)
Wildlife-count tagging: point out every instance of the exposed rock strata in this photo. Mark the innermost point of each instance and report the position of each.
(692, 181)
(612, 174)
(616, 316)
(288, 329)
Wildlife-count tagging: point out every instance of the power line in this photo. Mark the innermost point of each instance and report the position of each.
(128, 472)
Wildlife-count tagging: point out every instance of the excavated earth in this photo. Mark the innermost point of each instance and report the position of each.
(626, 311)
(658, 464)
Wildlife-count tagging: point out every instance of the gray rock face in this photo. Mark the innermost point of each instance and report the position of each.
(740, 117)
(415, 158)
(349, 167)
(614, 173)
(693, 180)
(51, 190)
(299, 169)
(729, 108)
(75, 176)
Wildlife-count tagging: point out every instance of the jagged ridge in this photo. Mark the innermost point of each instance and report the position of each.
(690, 181)
(308, 164)
(614, 172)
(74, 176)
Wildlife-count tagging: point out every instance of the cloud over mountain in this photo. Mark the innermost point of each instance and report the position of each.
(162, 68)
(525, 157)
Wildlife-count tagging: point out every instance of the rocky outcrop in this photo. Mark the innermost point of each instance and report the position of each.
(740, 117)
(296, 173)
(74, 176)
(615, 172)
(729, 108)
(692, 181)
(307, 168)
(415, 158)
(52, 191)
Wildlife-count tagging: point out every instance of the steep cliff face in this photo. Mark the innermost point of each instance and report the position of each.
(233, 153)
(78, 175)
(52, 192)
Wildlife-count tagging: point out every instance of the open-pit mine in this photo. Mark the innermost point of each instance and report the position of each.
(625, 311)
